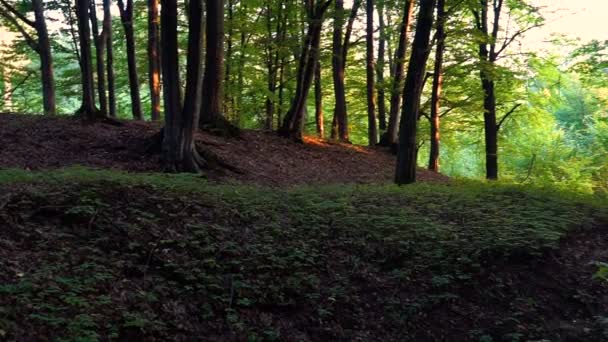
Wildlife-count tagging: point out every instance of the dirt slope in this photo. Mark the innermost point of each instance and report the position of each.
(37, 142)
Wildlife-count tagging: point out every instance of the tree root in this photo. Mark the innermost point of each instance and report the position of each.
(220, 126)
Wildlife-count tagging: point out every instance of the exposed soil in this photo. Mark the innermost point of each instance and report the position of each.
(37, 142)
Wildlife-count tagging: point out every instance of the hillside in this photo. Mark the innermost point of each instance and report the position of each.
(92, 255)
(37, 142)
(306, 242)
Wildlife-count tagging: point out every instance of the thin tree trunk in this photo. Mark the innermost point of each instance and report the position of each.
(107, 29)
(437, 85)
(408, 147)
(46, 59)
(380, 67)
(319, 102)
(392, 132)
(126, 15)
(154, 62)
(88, 110)
(100, 43)
(340, 54)
(372, 130)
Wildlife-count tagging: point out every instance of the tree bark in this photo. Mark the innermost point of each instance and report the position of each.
(340, 54)
(437, 87)
(126, 16)
(46, 59)
(408, 149)
(178, 148)
(391, 134)
(100, 43)
(107, 29)
(154, 62)
(372, 129)
(380, 67)
(88, 110)
(319, 102)
(212, 93)
(293, 123)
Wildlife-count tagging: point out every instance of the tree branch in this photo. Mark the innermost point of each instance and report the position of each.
(18, 14)
(28, 39)
(507, 116)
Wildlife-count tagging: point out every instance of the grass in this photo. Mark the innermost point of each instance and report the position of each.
(93, 255)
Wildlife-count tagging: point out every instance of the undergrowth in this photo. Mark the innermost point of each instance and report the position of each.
(91, 255)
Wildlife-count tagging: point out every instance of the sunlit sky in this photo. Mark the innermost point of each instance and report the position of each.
(584, 19)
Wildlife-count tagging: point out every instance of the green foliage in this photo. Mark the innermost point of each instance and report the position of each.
(131, 252)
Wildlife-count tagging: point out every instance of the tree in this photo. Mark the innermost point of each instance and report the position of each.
(319, 102)
(154, 58)
(100, 42)
(88, 110)
(371, 77)
(126, 17)
(408, 149)
(179, 152)
(390, 136)
(293, 123)
(491, 46)
(42, 47)
(340, 53)
(107, 29)
(380, 66)
(437, 84)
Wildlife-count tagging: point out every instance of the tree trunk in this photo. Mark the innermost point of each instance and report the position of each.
(293, 123)
(178, 148)
(372, 129)
(380, 67)
(390, 136)
(211, 111)
(88, 111)
(154, 59)
(100, 43)
(437, 85)
(319, 102)
(46, 59)
(487, 58)
(340, 54)
(407, 153)
(126, 16)
(107, 29)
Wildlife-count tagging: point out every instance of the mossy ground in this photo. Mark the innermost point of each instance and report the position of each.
(88, 255)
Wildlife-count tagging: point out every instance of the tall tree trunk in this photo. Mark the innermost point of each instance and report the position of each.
(408, 149)
(437, 85)
(380, 67)
(372, 130)
(340, 54)
(293, 123)
(100, 43)
(154, 58)
(390, 136)
(319, 102)
(107, 29)
(178, 148)
(229, 108)
(88, 110)
(126, 16)
(212, 93)
(487, 57)
(46, 59)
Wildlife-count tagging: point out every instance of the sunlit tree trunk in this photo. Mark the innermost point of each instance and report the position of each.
(154, 58)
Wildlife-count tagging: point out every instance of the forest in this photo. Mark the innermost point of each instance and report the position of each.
(315, 170)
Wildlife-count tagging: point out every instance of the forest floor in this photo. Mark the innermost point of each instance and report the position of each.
(103, 254)
(36, 142)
